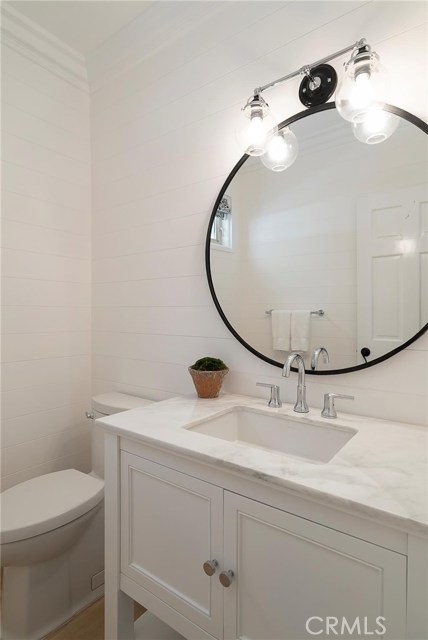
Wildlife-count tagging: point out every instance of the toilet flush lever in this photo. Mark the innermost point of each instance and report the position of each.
(90, 415)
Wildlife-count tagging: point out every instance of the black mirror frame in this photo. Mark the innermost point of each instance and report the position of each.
(298, 116)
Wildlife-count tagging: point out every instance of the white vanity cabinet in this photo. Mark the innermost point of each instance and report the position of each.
(286, 568)
(289, 569)
(171, 524)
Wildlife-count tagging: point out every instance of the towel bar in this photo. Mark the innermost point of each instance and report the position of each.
(319, 312)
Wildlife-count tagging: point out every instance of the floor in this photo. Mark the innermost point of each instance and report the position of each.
(87, 625)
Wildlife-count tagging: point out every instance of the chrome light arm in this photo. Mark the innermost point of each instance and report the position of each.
(303, 70)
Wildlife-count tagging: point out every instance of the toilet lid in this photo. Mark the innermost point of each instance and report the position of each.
(44, 503)
(114, 402)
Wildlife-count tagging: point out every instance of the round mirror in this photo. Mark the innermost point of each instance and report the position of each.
(332, 252)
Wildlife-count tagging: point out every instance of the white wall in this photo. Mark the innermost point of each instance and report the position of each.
(46, 269)
(163, 143)
(165, 96)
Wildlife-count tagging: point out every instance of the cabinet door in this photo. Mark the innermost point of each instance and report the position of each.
(171, 524)
(289, 570)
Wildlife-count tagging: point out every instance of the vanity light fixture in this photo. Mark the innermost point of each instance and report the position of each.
(360, 99)
(364, 85)
(255, 126)
(377, 126)
(281, 150)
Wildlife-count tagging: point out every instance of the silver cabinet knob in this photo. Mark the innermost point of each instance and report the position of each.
(226, 578)
(90, 415)
(210, 567)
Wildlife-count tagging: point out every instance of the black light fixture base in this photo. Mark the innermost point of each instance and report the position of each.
(319, 86)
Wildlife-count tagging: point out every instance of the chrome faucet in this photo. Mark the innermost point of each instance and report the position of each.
(319, 351)
(301, 404)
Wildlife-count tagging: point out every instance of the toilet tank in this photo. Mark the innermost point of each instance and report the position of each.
(106, 404)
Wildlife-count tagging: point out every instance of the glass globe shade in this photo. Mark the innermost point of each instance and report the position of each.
(363, 86)
(255, 124)
(281, 150)
(377, 126)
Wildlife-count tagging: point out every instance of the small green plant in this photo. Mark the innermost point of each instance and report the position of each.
(209, 364)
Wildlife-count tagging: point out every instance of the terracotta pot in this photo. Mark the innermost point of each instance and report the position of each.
(208, 383)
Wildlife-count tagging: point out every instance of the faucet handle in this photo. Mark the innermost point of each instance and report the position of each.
(329, 410)
(274, 400)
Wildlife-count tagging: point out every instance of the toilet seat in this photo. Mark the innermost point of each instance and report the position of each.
(47, 502)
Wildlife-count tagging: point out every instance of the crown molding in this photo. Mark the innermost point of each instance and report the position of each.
(32, 41)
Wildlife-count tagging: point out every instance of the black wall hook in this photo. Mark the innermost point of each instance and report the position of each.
(365, 352)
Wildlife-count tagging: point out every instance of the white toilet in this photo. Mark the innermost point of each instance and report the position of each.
(51, 535)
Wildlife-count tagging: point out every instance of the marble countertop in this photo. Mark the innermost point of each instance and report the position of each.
(381, 471)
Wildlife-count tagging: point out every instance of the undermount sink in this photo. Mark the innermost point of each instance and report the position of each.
(277, 433)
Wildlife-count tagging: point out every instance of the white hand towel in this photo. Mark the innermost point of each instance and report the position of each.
(300, 330)
(281, 321)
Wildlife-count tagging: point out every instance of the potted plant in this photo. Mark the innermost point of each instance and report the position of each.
(207, 374)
